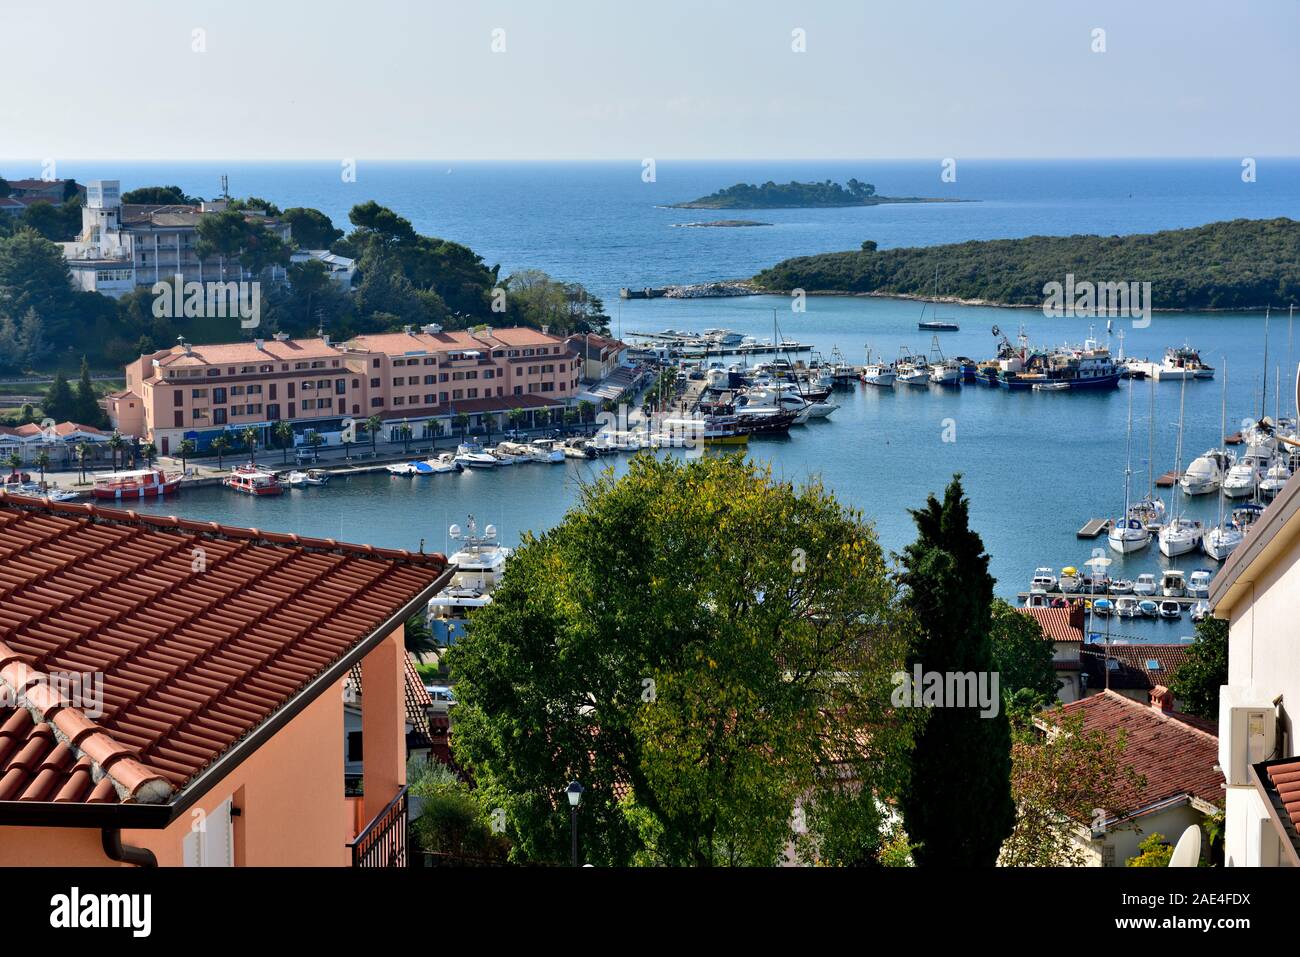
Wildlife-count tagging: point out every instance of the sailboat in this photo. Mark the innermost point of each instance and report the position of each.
(1128, 534)
(936, 324)
(1219, 541)
(1180, 534)
(1150, 511)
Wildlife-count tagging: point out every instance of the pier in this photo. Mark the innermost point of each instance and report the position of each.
(1183, 601)
(1093, 528)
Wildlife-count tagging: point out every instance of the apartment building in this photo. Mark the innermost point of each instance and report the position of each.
(122, 246)
(413, 378)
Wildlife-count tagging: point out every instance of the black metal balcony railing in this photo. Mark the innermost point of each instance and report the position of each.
(383, 843)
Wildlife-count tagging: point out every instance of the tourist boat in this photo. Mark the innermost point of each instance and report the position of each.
(1173, 583)
(471, 455)
(138, 483)
(251, 480)
(1198, 585)
(546, 450)
(1171, 609)
(1206, 472)
(1200, 611)
(479, 562)
(1145, 585)
(1183, 363)
(1126, 607)
(878, 373)
(1044, 579)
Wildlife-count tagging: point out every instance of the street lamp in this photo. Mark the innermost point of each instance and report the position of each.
(575, 798)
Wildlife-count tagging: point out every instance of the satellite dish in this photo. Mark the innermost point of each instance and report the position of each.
(490, 531)
(1187, 853)
(454, 531)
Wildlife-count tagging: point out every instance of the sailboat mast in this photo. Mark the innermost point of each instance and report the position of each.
(1128, 451)
(1263, 397)
(1178, 452)
(1151, 445)
(1223, 430)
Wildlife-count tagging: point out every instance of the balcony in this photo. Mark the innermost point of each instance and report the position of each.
(383, 842)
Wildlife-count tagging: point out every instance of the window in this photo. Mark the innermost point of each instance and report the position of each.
(219, 395)
(197, 394)
(430, 379)
(354, 746)
(376, 402)
(473, 393)
(218, 416)
(430, 399)
(399, 400)
(178, 397)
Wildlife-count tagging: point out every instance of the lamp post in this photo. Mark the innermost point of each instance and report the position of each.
(575, 798)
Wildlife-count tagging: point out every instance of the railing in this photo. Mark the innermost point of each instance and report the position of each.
(383, 843)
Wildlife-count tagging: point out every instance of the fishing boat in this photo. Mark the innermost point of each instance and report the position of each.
(1044, 579)
(251, 480)
(138, 483)
(910, 369)
(878, 373)
(1171, 609)
(943, 371)
(1173, 583)
(472, 455)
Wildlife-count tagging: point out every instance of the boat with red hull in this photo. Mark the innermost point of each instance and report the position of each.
(138, 483)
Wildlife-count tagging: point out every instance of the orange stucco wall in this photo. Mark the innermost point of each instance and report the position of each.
(289, 794)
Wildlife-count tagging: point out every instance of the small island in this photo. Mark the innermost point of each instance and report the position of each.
(727, 223)
(796, 195)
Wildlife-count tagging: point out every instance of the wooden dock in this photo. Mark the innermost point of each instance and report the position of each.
(1184, 601)
(1093, 528)
(1169, 479)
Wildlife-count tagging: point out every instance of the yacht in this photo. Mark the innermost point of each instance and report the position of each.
(547, 450)
(1173, 584)
(480, 562)
(878, 373)
(444, 462)
(1198, 585)
(472, 456)
(1274, 479)
(1245, 476)
(1146, 585)
(1206, 472)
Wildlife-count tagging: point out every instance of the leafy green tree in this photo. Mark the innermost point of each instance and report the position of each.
(1154, 851)
(1196, 682)
(311, 229)
(716, 643)
(160, 196)
(222, 235)
(958, 805)
(453, 821)
(1022, 655)
(59, 403)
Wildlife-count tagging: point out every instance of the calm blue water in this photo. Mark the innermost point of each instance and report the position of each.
(1037, 466)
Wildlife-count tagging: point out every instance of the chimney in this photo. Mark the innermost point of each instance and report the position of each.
(326, 338)
(282, 337)
(1162, 699)
(546, 330)
(407, 329)
(1076, 617)
(260, 344)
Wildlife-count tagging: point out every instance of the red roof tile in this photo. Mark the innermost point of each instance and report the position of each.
(1131, 670)
(1284, 781)
(418, 700)
(195, 654)
(1057, 623)
(1176, 757)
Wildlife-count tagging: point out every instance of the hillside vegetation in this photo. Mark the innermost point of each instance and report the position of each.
(1240, 264)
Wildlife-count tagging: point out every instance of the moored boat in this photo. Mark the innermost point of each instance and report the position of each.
(252, 480)
(138, 483)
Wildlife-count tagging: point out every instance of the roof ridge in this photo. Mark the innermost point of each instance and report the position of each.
(118, 516)
(1157, 713)
(132, 779)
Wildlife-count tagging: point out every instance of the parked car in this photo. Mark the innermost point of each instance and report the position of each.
(443, 698)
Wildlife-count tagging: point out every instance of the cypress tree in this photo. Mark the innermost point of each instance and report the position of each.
(86, 407)
(59, 404)
(957, 805)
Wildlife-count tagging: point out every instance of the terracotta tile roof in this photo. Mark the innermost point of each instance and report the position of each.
(62, 429)
(1059, 624)
(1174, 756)
(418, 702)
(1131, 671)
(194, 654)
(1281, 785)
(460, 340)
(273, 350)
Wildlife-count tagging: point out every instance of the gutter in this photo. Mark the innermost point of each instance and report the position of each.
(159, 816)
(125, 853)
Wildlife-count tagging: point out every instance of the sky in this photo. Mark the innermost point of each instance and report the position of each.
(169, 80)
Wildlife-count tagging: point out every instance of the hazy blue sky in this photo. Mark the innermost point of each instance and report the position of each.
(617, 79)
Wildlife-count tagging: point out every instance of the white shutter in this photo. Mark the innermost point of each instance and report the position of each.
(213, 845)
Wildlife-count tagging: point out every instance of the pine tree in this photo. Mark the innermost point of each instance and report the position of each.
(31, 338)
(957, 805)
(59, 403)
(86, 408)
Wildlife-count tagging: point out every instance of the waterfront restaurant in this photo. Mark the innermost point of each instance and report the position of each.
(415, 378)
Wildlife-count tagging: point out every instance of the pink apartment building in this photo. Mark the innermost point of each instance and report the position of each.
(412, 377)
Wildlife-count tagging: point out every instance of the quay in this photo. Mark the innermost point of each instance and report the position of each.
(1093, 528)
(1183, 600)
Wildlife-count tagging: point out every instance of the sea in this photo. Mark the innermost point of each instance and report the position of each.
(1036, 466)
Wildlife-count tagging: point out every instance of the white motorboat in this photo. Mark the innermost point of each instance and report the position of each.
(1103, 606)
(1182, 363)
(402, 469)
(1044, 579)
(1201, 611)
(1121, 586)
(1146, 585)
(1171, 609)
(1206, 472)
(1069, 580)
(878, 373)
(1198, 585)
(1148, 608)
(546, 450)
(1180, 536)
(480, 562)
(296, 479)
(318, 477)
(1246, 475)
(1127, 607)
(1173, 583)
(443, 463)
(1051, 387)
(502, 457)
(1274, 479)
(472, 456)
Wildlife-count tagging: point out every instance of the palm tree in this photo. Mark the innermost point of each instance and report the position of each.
(315, 440)
(438, 428)
(220, 445)
(419, 639)
(82, 453)
(541, 417)
(43, 462)
(462, 423)
(373, 425)
(116, 444)
(585, 409)
(249, 438)
(149, 451)
(570, 415)
(404, 430)
(489, 423)
(516, 416)
(15, 461)
(187, 448)
(283, 433)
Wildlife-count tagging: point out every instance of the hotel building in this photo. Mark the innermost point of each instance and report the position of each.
(414, 377)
